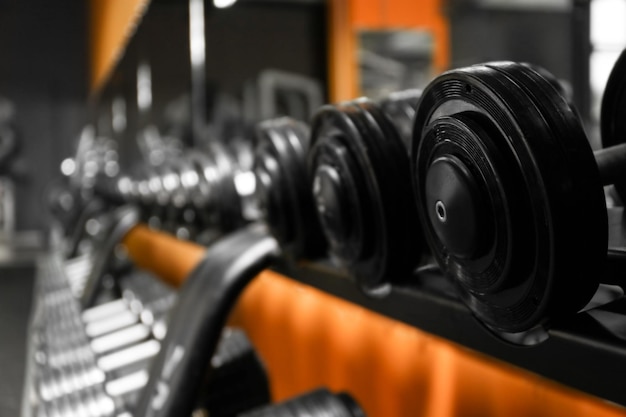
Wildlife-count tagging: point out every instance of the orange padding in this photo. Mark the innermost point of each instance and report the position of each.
(112, 23)
(167, 257)
(308, 339)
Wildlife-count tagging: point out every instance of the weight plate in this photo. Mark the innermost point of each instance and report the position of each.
(612, 122)
(361, 183)
(508, 194)
(400, 108)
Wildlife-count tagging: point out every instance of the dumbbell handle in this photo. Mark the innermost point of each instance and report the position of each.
(612, 164)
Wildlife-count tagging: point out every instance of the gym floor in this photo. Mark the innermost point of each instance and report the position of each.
(16, 280)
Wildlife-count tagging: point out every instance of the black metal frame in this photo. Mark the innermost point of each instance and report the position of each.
(586, 351)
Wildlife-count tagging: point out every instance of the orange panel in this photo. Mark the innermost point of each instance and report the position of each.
(347, 17)
(167, 257)
(112, 23)
(343, 83)
(308, 338)
(406, 13)
(367, 13)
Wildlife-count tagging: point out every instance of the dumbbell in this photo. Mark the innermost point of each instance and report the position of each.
(510, 194)
(208, 196)
(319, 403)
(178, 213)
(361, 183)
(222, 201)
(283, 186)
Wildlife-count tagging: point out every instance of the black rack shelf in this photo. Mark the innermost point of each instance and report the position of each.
(584, 352)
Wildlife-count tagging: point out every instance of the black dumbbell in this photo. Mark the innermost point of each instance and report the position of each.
(283, 186)
(510, 194)
(400, 108)
(361, 183)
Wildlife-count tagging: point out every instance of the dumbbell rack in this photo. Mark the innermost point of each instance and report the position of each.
(582, 352)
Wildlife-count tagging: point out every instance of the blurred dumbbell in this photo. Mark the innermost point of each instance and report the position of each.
(362, 188)
(283, 186)
(203, 188)
(400, 107)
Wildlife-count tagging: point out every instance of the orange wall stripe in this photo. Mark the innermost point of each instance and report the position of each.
(343, 83)
(112, 23)
(308, 338)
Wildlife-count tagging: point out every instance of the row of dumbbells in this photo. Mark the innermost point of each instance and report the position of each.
(214, 187)
(198, 190)
(500, 186)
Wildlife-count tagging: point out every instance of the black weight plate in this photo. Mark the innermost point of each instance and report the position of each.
(612, 120)
(283, 186)
(539, 184)
(576, 286)
(378, 237)
(400, 108)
